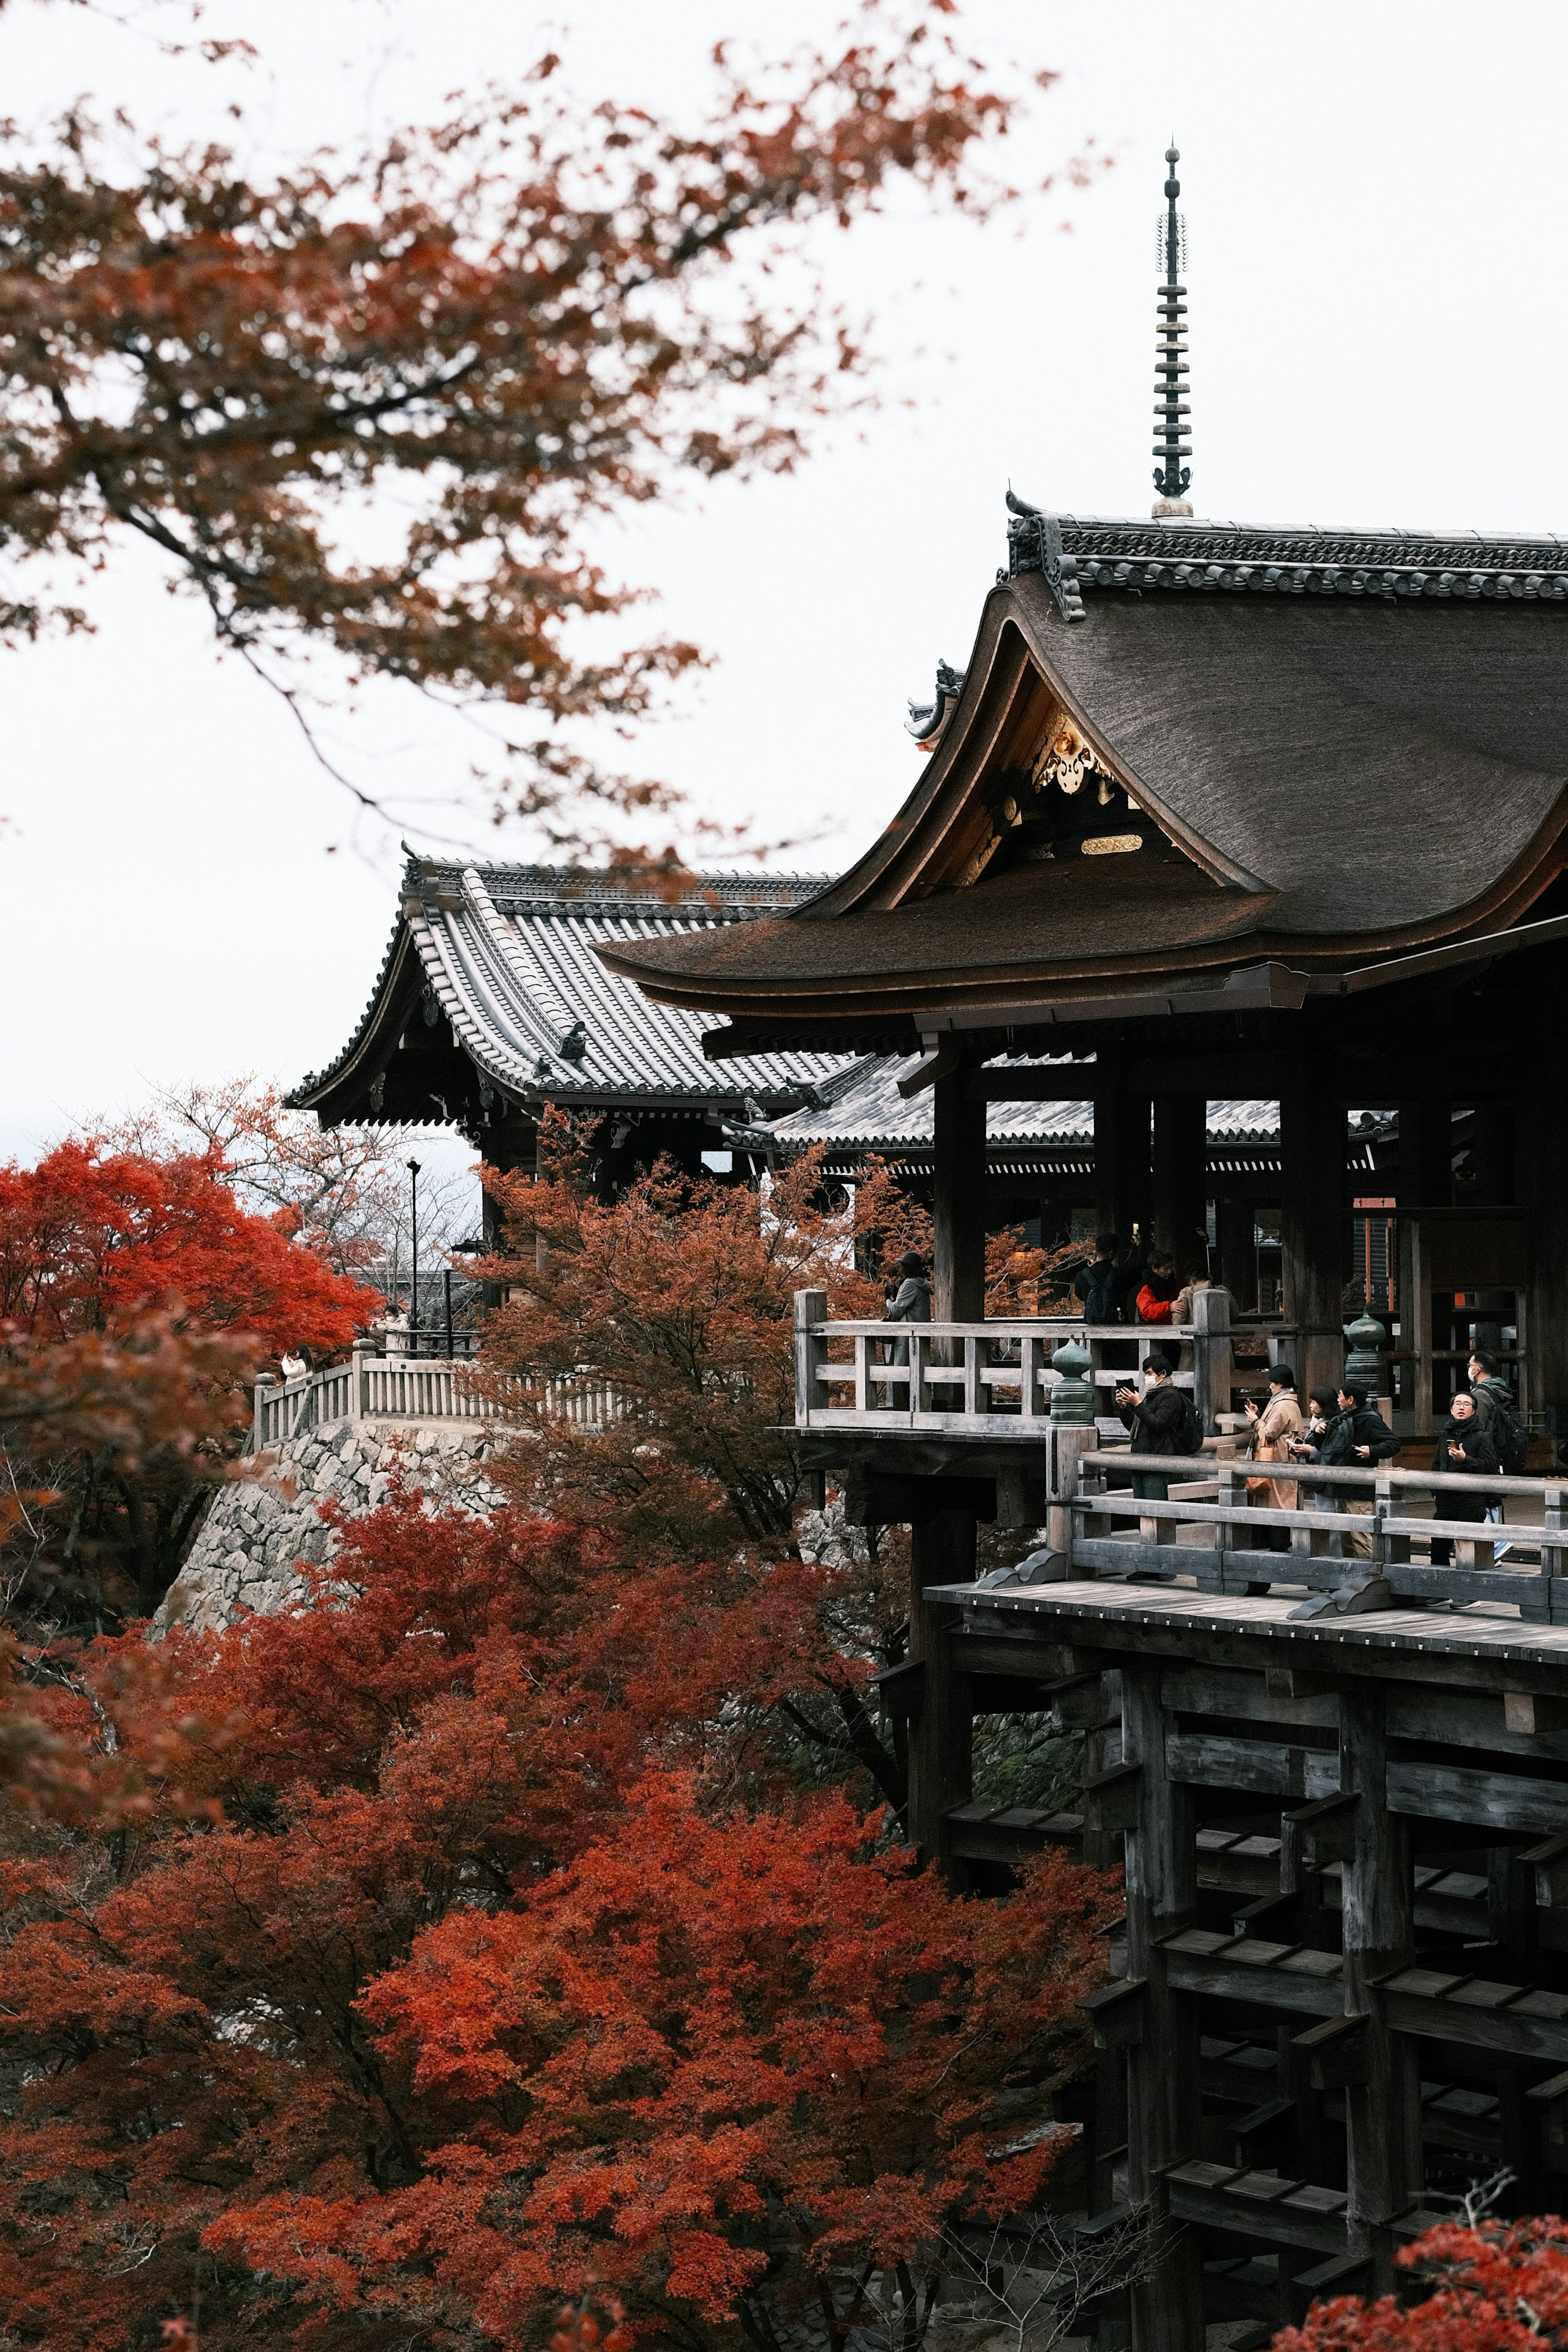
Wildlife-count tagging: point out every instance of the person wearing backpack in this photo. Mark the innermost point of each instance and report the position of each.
(1357, 1438)
(1100, 1284)
(1500, 1419)
(1163, 1420)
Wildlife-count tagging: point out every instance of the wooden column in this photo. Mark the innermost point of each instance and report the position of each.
(1312, 1224)
(1383, 2132)
(1180, 1179)
(1236, 1219)
(942, 1551)
(1164, 2103)
(1122, 1141)
(1540, 1158)
(1425, 1180)
(958, 1268)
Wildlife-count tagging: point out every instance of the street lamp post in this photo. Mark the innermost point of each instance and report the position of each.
(414, 1253)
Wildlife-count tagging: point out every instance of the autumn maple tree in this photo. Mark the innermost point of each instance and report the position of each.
(136, 1300)
(509, 1970)
(500, 327)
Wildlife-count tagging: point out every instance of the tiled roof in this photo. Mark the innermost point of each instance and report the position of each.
(1092, 551)
(507, 954)
(862, 1109)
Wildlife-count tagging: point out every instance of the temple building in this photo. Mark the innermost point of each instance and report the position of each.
(1224, 814)
(492, 1003)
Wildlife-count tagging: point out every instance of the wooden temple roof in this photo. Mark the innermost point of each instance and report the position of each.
(492, 994)
(1182, 753)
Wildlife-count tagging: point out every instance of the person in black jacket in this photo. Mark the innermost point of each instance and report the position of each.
(1098, 1286)
(1160, 1422)
(1464, 1445)
(1355, 1438)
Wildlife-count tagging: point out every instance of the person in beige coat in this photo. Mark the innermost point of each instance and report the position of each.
(1274, 1428)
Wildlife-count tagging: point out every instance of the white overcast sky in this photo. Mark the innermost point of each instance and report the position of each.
(1373, 194)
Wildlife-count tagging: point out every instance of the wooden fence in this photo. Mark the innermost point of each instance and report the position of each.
(411, 1391)
(1115, 1533)
(982, 1380)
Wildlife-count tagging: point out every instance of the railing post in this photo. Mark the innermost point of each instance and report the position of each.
(359, 1383)
(1067, 1446)
(264, 1387)
(1213, 1371)
(1032, 1363)
(974, 1401)
(1553, 1566)
(810, 1351)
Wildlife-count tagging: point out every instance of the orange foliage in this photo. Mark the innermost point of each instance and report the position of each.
(505, 323)
(1500, 2286)
(136, 1297)
(92, 1235)
(513, 1969)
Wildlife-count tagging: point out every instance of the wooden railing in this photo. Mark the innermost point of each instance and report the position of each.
(985, 1379)
(415, 1391)
(1114, 1533)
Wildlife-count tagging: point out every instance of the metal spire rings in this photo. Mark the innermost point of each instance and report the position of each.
(1171, 477)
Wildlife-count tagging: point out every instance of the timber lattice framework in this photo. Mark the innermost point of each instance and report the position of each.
(1334, 1773)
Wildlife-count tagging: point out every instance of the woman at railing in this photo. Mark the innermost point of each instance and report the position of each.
(1276, 1427)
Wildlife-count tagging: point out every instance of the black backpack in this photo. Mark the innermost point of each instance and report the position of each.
(1189, 1430)
(1510, 1435)
(1100, 1296)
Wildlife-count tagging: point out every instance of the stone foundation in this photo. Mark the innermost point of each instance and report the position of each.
(244, 1558)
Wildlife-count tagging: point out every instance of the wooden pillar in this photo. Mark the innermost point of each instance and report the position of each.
(1425, 1179)
(1377, 1923)
(1235, 1221)
(1122, 1141)
(1541, 1160)
(1312, 1225)
(1164, 2103)
(1180, 1179)
(958, 1268)
(941, 1764)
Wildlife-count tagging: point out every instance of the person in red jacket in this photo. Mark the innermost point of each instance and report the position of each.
(1160, 1289)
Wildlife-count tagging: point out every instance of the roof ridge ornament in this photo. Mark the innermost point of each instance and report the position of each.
(1171, 477)
(1034, 545)
(926, 720)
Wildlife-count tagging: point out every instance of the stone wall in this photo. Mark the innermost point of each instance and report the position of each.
(244, 1559)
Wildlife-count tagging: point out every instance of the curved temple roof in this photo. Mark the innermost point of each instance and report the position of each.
(1180, 750)
(506, 956)
(860, 1108)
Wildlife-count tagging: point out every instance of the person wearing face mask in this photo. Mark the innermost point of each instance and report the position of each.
(1463, 1445)
(1355, 1438)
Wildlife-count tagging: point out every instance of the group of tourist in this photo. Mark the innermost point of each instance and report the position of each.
(1342, 1428)
(1124, 1284)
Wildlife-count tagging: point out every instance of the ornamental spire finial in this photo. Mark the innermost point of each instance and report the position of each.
(1171, 477)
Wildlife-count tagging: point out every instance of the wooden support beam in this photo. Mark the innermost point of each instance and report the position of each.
(1122, 1145)
(958, 1203)
(1163, 2102)
(942, 1551)
(1311, 1229)
(1179, 1186)
(1540, 1154)
(1377, 1925)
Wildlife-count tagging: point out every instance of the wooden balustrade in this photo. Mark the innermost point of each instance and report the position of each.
(412, 1391)
(992, 1378)
(1118, 1533)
